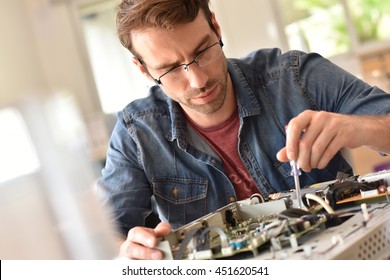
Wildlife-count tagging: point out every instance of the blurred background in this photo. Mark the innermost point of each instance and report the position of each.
(64, 75)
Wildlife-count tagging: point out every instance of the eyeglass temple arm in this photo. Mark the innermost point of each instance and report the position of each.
(147, 71)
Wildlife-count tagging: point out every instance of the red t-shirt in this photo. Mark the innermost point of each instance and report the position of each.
(223, 138)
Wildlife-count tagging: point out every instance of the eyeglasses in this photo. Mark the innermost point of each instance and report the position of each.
(177, 73)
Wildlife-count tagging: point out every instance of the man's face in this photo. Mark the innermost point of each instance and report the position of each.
(202, 90)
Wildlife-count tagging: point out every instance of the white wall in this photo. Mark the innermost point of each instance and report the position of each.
(42, 52)
(247, 25)
(62, 51)
(21, 71)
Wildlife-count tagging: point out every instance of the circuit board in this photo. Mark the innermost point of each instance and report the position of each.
(278, 229)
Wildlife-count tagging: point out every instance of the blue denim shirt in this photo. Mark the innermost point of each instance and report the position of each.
(154, 153)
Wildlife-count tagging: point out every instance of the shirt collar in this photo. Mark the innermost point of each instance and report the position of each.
(247, 102)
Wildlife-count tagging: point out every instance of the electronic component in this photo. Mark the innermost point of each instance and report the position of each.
(279, 228)
(355, 191)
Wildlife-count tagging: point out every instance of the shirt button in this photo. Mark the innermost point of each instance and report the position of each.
(232, 199)
(175, 192)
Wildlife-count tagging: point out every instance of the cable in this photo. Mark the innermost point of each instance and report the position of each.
(221, 233)
(275, 229)
(202, 232)
(258, 196)
(183, 245)
(320, 201)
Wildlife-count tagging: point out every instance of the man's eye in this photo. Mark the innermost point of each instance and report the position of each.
(172, 71)
(176, 68)
(166, 70)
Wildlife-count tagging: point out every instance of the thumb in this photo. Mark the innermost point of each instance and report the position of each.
(162, 229)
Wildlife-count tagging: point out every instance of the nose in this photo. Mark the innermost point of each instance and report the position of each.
(196, 76)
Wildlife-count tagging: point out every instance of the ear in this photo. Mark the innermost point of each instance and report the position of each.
(216, 25)
(141, 68)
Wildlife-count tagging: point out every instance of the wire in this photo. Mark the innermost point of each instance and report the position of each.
(258, 196)
(320, 201)
(275, 229)
(183, 245)
(202, 231)
(221, 233)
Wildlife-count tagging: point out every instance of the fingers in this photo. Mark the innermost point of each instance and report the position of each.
(295, 128)
(137, 251)
(162, 229)
(143, 236)
(141, 241)
(313, 138)
(327, 155)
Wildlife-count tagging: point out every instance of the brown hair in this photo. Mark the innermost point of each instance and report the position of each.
(166, 14)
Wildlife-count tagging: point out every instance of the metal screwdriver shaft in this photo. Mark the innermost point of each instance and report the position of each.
(295, 171)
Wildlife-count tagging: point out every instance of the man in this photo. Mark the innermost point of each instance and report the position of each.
(213, 130)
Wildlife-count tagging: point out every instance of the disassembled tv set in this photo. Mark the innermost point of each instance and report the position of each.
(348, 218)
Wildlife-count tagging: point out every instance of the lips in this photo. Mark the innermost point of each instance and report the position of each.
(206, 96)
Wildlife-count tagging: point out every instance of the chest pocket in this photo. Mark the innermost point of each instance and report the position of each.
(180, 200)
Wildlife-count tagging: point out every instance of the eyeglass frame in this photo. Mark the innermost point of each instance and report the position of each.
(186, 65)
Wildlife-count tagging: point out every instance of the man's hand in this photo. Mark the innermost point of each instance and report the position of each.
(141, 241)
(313, 138)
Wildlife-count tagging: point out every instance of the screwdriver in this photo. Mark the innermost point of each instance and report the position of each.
(295, 171)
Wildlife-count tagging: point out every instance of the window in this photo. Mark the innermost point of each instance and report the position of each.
(315, 25)
(371, 19)
(332, 27)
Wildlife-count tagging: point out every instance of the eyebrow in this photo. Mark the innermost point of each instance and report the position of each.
(174, 64)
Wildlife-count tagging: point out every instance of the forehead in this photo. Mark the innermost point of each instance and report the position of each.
(159, 45)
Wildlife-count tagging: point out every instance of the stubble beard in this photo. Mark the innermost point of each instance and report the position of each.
(214, 105)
